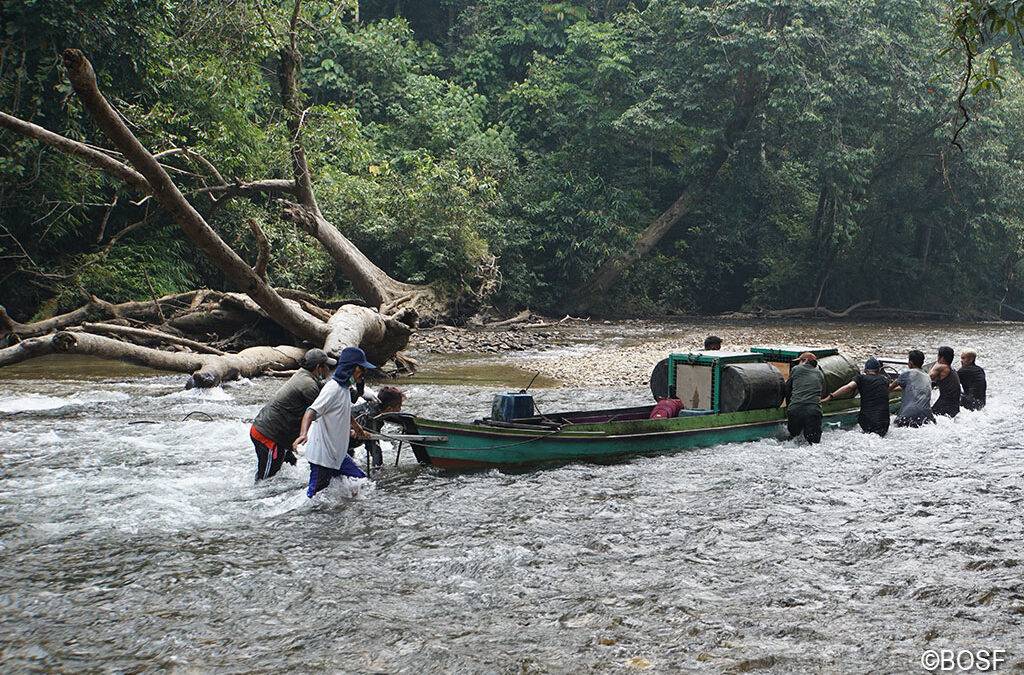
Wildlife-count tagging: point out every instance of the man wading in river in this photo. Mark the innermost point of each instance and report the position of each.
(804, 390)
(874, 398)
(972, 379)
(328, 424)
(915, 406)
(947, 382)
(277, 425)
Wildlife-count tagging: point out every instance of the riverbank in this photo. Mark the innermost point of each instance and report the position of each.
(607, 354)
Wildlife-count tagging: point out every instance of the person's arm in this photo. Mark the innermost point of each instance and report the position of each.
(939, 372)
(357, 429)
(787, 390)
(307, 419)
(842, 391)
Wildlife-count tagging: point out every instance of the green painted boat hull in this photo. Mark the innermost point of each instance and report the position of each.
(481, 446)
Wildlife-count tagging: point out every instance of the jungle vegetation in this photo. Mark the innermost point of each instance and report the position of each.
(619, 157)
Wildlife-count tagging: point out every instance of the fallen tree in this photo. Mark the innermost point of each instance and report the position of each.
(194, 320)
(803, 312)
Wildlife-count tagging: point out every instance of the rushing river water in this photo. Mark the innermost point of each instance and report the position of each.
(132, 538)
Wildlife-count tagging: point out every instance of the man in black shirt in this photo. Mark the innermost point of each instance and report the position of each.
(874, 397)
(972, 379)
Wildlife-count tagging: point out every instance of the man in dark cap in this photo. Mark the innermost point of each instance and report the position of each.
(327, 425)
(804, 390)
(874, 397)
(277, 424)
(712, 343)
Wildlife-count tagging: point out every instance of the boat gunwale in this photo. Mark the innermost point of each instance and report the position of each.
(566, 435)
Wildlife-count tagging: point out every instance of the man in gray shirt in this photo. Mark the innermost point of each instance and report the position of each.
(916, 385)
(277, 424)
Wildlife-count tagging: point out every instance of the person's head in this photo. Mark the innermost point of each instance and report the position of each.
(968, 357)
(809, 359)
(712, 343)
(915, 359)
(872, 365)
(352, 365)
(946, 355)
(318, 362)
(391, 399)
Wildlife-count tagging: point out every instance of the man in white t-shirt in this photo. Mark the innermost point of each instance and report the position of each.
(327, 424)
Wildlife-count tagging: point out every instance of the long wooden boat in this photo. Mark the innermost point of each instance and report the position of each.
(599, 435)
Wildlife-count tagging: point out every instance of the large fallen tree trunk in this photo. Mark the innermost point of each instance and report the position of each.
(206, 370)
(26, 349)
(351, 326)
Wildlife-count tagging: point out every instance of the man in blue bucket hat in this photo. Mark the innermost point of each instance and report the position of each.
(327, 424)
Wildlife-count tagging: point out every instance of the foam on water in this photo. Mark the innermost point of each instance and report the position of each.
(36, 402)
(146, 546)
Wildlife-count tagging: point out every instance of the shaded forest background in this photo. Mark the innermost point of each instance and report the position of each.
(809, 141)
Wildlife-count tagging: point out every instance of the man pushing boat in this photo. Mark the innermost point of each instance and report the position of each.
(278, 423)
(328, 425)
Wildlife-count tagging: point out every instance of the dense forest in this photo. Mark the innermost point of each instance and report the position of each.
(617, 157)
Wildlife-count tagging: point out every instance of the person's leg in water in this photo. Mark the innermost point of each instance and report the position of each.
(269, 458)
(319, 478)
(812, 427)
(794, 424)
(376, 456)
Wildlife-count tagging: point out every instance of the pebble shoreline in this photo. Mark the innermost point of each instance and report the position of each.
(609, 354)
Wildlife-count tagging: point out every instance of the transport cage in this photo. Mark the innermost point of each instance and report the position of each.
(511, 406)
(784, 356)
(696, 377)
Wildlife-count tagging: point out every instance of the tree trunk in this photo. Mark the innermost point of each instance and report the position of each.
(351, 326)
(371, 282)
(26, 349)
(94, 309)
(206, 370)
(608, 273)
(151, 335)
(83, 79)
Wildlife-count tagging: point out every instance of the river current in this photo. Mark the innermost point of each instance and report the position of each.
(133, 539)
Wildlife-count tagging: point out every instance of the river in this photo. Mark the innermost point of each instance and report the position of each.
(132, 537)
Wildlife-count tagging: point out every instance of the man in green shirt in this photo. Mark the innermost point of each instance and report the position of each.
(804, 390)
(277, 424)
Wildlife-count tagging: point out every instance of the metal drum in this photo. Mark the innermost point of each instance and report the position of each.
(838, 370)
(750, 386)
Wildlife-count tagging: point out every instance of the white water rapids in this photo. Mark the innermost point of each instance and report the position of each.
(133, 539)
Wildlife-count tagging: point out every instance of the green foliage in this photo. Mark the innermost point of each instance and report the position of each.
(548, 134)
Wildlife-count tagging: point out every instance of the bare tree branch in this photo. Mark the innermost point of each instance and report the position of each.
(90, 155)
